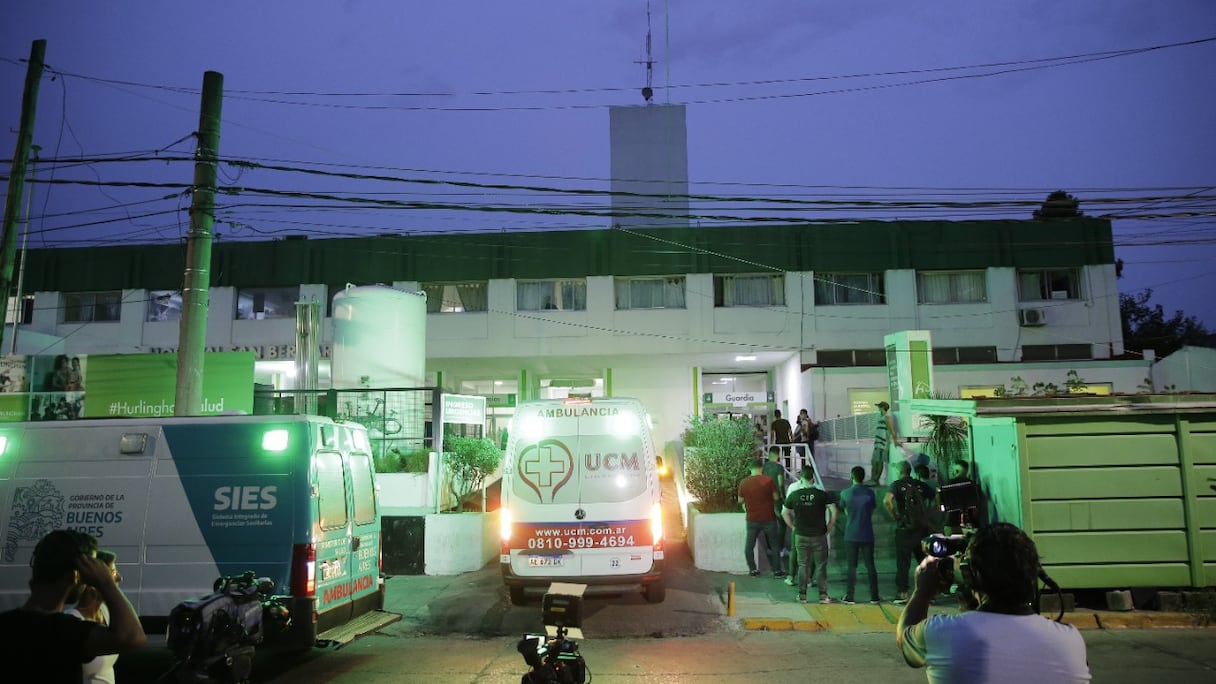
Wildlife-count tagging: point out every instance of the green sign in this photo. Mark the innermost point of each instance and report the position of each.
(500, 400)
(462, 409)
(142, 385)
(921, 361)
(63, 387)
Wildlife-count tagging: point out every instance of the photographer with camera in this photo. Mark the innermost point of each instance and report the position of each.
(48, 645)
(1000, 637)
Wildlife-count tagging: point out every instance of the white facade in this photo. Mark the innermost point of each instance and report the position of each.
(658, 355)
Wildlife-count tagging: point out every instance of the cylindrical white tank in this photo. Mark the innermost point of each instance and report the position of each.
(379, 338)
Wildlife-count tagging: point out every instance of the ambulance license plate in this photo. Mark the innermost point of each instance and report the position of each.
(544, 561)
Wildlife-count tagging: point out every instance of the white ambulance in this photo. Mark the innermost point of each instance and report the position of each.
(580, 498)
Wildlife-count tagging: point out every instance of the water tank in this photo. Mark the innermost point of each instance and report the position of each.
(379, 338)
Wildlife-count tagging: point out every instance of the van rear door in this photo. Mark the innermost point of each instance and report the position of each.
(348, 541)
(583, 492)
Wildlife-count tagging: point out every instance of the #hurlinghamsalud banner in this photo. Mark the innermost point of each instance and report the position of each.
(64, 387)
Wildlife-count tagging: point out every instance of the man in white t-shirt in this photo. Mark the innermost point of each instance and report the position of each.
(1003, 639)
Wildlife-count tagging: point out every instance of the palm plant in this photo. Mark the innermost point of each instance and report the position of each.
(947, 441)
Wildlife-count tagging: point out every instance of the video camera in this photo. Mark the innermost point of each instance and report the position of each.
(213, 636)
(959, 501)
(552, 657)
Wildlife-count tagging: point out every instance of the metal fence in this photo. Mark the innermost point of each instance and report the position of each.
(398, 420)
(848, 427)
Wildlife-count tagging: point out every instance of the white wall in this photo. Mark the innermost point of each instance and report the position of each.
(667, 394)
(1190, 369)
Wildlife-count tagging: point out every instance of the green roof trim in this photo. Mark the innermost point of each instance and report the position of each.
(839, 247)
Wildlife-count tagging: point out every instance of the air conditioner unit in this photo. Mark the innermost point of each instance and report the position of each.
(1032, 317)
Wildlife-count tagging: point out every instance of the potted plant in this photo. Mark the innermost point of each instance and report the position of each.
(469, 461)
(712, 472)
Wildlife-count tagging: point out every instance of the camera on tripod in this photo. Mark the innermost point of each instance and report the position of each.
(553, 657)
(213, 636)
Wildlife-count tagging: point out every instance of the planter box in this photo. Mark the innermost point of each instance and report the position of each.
(404, 493)
(716, 540)
(461, 542)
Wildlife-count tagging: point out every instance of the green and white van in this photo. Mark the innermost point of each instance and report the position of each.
(184, 501)
(580, 498)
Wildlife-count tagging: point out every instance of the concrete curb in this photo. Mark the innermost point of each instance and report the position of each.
(1081, 619)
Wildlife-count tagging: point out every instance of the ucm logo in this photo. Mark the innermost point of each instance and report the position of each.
(545, 466)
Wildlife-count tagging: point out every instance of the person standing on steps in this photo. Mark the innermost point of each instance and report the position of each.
(884, 435)
(910, 503)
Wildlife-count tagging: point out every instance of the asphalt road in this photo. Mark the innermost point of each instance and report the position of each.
(1116, 657)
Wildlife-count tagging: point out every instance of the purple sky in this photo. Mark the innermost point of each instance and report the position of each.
(516, 93)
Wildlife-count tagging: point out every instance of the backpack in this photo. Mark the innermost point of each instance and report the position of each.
(915, 509)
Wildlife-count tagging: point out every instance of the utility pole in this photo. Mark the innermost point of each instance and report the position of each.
(16, 182)
(25, 235)
(196, 282)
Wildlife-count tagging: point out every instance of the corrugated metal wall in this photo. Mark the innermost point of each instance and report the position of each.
(1122, 499)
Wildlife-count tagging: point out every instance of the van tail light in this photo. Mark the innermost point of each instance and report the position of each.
(504, 526)
(303, 570)
(656, 525)
(380, 554)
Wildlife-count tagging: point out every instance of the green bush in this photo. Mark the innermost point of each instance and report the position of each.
(394, 460)
(469, 461)
(725, 448)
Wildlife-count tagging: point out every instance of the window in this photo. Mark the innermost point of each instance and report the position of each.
(86, 307)
(852, 357)
(849, 288)
(331, 490)
(20, 311)
(258, 303)
(1056, 352)
(1034, 286)
(363, 489)
(650, 293)
(955, 355)
(547, 295)
(951, 287)
(164, 305)
(455, 297)
(749, 290)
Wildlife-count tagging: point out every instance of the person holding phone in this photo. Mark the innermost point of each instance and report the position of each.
(88, 605)
(40, 639)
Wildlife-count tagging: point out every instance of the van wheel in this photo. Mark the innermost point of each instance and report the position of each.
(655, 592)
(518, 598)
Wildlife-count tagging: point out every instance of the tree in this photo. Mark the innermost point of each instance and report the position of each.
(1146, 327)
(1059, 206)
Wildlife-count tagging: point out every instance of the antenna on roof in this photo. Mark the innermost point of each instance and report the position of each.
(648, 92)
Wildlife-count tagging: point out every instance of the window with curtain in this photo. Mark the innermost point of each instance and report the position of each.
(551, 295)
(88, 307)
(1045, 284)
(259, 303)
(951, 287)
(455, 297)
(20, 311)
(164, 305)
(849, 288)
(749, 290)
(650, 293)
